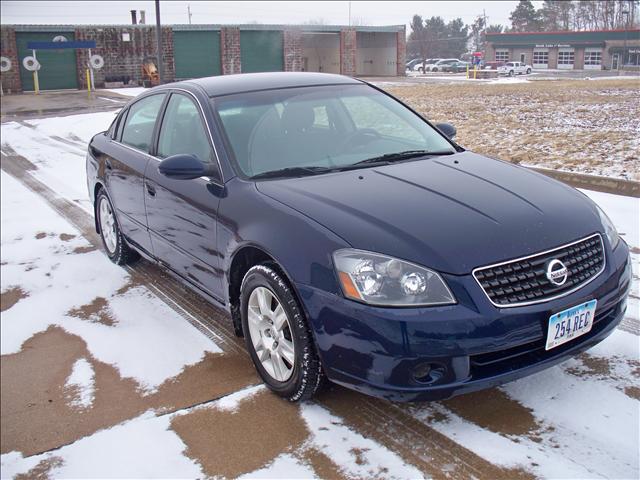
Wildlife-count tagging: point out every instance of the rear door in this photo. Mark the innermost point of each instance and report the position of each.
(182, 214)
(125, 165)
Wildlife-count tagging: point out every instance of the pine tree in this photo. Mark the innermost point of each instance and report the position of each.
(525, 18)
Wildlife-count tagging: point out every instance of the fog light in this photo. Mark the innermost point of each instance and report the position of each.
(428, 373)
(421, 372)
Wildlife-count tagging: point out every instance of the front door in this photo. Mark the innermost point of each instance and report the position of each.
(615, 60)
(182, 214)
(523, 58)
(126, 163)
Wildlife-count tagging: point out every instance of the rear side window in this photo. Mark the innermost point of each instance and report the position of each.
(141, 119)
(183, 130)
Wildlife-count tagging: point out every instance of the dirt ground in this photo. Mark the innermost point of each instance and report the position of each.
(584, 126)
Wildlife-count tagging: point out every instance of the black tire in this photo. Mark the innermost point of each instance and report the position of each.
(434, 69)
(511, 73)
(122, 254)
(307, 376)
(528, 71)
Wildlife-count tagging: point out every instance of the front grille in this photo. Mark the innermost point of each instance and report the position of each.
(524, 281)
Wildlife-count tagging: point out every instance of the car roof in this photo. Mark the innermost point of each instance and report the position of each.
(249, 82)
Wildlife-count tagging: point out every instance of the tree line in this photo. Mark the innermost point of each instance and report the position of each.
(434, 38)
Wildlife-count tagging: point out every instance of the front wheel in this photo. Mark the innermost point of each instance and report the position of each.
(511, 73)
(528, 71)
(277, 336)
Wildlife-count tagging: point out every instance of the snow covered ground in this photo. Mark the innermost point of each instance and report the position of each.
(577, 420)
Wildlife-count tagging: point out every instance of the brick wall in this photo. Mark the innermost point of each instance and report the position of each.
(401, 45)
(348, 51)
(230, 50)
(11, 79)
(293, 50)
(124, 58)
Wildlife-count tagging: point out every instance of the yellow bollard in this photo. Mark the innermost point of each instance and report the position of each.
(36, 84)
(467, 70)
(88, 84)
(475, 69)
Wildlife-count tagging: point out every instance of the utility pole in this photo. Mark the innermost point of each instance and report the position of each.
(349, 13)
(159, 43)
(189, 13)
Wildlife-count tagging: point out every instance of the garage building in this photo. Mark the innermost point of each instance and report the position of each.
(193, 51)
(588, 50)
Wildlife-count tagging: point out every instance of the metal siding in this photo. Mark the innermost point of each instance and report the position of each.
(261, 51)
(196, 53)
(58, 69)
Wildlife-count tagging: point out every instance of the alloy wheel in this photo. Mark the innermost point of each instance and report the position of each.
(270, 333)
(108, 225)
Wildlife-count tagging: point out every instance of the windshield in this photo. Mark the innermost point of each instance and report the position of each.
(327, 128)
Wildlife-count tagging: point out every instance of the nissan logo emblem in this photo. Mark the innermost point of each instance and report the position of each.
(557, 273)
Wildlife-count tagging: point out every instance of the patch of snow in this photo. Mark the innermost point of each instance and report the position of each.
(144, 447)
(231, 402)
(358, 456)
(284, 466)
(128, 91)
(82, 383)
(147, 342)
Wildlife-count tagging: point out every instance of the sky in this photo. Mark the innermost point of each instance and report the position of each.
(292, 12)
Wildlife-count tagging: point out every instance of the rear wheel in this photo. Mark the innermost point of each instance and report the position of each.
(277, 336)
(114, 244)
(528, 71)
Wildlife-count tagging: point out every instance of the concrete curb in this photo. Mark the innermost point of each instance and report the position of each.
(617, 186)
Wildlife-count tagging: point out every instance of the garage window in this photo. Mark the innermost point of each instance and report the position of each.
(593, 58)
(502, 55)
(566, 57)
(540, 58)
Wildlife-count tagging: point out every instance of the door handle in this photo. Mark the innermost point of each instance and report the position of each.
(150, 189)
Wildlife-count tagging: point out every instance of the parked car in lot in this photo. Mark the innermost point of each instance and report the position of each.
(412, 63)
(457, 67)
(349, 238)
(425, 65)
(514, 68)
(442, 65)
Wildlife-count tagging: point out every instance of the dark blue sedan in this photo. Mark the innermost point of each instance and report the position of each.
(351, 239)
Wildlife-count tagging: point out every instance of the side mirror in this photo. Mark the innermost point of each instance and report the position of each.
(184, 166)
(448, 129)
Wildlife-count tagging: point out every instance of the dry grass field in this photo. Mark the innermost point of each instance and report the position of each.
(588, 126)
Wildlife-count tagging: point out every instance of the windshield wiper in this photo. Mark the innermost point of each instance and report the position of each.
(292, 172)
(406, 155)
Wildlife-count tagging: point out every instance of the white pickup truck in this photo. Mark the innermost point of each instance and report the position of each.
(514, 68)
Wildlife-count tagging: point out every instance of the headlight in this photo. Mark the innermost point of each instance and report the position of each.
(381, 280)
(609, 229)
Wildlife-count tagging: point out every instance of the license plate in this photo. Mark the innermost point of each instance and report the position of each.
(571, 323)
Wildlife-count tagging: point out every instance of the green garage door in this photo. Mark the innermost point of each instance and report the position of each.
(58, 67)
(261, 51)
(196, 53)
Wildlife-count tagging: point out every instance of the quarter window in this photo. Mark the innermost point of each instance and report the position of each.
(502, 55)
(183, 131)
(138, 128)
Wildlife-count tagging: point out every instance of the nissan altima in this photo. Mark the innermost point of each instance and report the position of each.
(350, 239)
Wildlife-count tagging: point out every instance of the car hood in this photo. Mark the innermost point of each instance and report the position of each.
(451, 213)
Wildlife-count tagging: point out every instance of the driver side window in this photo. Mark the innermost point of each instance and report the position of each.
(366, 113)
(183, 130)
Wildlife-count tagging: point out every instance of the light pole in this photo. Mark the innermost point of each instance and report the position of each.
(625, 14)
(159, 43)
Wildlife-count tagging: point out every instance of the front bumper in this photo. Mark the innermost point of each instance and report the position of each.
(469, 346)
